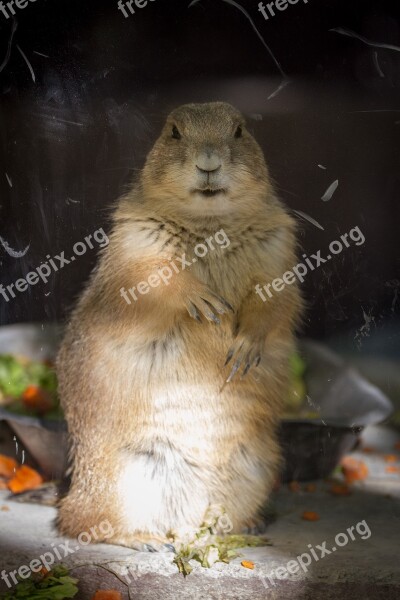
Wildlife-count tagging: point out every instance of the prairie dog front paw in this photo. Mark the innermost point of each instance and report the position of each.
(206, 303)
(246, 352)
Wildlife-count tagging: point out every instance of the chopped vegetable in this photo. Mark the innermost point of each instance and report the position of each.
(310, 515)
(297, 390)
(107, 595)
(28, 387)
(311, 488)
(294, 486)
(8, 466)
(397, 446)
(340, 489)
(38, 399)
(55, 585)
(354, 470)
(368, 450)
(392, 469)
(247, 564)
(208, 548)
(24, 479)
(390, 458)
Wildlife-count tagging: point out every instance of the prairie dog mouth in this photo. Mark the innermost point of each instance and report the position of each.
(209, 192)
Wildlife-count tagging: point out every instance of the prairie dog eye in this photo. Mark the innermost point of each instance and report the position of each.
(175, 133)
(238, 132)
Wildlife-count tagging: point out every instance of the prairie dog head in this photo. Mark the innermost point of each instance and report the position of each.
(205, 163)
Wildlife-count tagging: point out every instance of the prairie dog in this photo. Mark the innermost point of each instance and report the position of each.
(172, 400)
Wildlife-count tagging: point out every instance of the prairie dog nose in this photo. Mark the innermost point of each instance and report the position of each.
(208, 162)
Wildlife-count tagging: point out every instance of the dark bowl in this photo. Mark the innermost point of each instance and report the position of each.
(344, 401)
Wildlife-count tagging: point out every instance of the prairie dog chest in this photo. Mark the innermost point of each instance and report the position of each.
(220, 256)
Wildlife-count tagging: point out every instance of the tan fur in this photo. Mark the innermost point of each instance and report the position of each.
(157, 435)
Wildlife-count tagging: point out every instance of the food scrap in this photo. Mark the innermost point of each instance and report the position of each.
(390, 458)
(208, 547)
(8, 466)
(17, 478)
(25, 479)
(354, 470)
(247, 564)
(51, 585)
(309, 515)
(392, 469)
(28, 387)
(311, 488)
(340, 489)
(37, 399)
(297, 391)
(294, 486)
(107, 595)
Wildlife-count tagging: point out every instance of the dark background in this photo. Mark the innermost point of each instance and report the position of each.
(72, 140)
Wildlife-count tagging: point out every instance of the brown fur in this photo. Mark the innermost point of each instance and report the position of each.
(157, 435)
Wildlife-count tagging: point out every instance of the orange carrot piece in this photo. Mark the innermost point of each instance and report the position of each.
(24, 479)
(340, 489)
(311, 488)
(390, 458)
(8, 466)
(294, 486)
(107, 595)
(368, 450)
(392, 469)
(397, 446)
(36, 398)
(309, 515)
(247, 564)
(354, 470)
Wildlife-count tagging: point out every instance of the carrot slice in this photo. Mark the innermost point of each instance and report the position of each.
(390, 458)
(354, 470)
(36, 398)
(392, 470)
(294, 486)
(340, 489)
(107, 595)
(8, 466)
(247, 564)
(24, 479)
(397, 446)
(309, 515)
(311, 488)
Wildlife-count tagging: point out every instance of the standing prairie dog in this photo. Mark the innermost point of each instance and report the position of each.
(172, 399)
